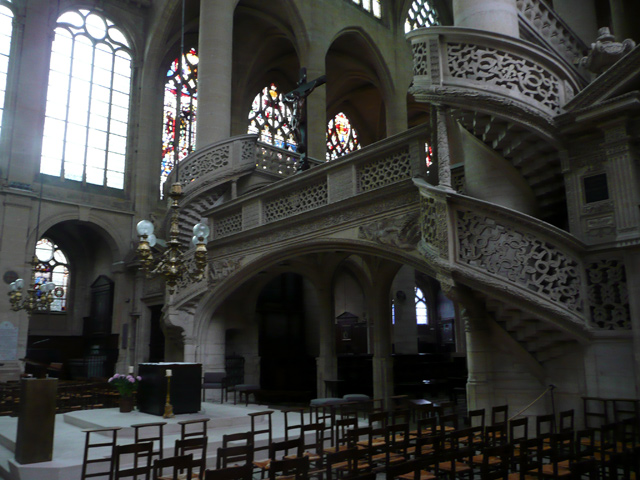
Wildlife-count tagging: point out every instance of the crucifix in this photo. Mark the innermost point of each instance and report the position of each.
(298, 99)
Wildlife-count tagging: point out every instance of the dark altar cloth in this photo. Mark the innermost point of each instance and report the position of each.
(185, 387)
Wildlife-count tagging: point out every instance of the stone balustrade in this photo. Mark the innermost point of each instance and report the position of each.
(393, 160)
(541, 23)
(496, 246)
(454, 65)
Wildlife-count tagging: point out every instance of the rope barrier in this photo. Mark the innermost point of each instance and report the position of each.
(549, 389)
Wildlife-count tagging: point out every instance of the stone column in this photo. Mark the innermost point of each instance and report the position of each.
(405, 330)
(632, 267)
(327, 361)
(316, 106)
(442, 147)
(499, 16)
(478, 344)
(212, 349)
(214, 71)
(379, 308)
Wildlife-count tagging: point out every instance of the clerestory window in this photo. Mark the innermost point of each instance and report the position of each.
(180, 109)
(52, 267)
(420, 14)
(6, 30)
(270, 118)
(372, 6)
(342, 138)
(422, 316)
(87, 113)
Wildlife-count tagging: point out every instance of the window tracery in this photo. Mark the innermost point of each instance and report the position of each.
(6, 30)
(87, 112)
(342, 138)
(374, 7)
(422, 316)
(420, 14)
(52, 267)
(270, 118)
(182, 107)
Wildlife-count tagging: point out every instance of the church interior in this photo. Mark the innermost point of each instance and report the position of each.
(409, 203)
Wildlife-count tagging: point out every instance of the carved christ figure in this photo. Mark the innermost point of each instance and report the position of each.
(298, 100)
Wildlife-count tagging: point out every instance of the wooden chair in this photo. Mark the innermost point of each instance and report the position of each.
(496, 462)
(234, 456)
(292, 448)
(150, 432)
(312, 436)
(244, 472)
(346, 463)
(262, 437)
(499, 414)
(342, 426)
(104, 452)
(193, 428)
(561, 455)
(566, 421)
(448, 423)
(518, 429)
(290, 469)
(197, 446)
(236, 439)
(457, 460)
(141, 461)
(395, 448)
(181, 468)
(424, 468)
(293, 422)
(214, 381)
(527, 460)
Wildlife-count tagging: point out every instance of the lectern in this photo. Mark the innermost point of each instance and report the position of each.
(36, 420)
(185, 387)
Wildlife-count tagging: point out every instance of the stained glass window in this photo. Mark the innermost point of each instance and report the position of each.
(53, 267)
(87, 113)
(420, 14)
(371, 6)
(429, 156)
(342, 138)
(422, 317)
(6, 27)
(270, 118)
(181, 106)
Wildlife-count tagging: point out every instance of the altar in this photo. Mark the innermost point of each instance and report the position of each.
(186, 381)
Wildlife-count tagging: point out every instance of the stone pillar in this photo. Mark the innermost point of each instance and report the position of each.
(316, 108)
(405, 330)
(632, 268)
(212, 349)
(624, 19)
(499, 16)
(442, 147)
(214, 71)
(379, 308)
(327, 361)
(622, 177)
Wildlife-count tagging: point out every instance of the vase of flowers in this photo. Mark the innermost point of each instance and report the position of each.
(126, 386)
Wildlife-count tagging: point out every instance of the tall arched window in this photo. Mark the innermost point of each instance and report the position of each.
(85, 129)
(53, 267)
(420, 14)
(182, 106)
(342, 138)
(422, 315)
(371, 6)
(270, 118)
(6, 28)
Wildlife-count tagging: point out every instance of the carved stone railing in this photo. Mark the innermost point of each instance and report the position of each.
(385, 163)
(504, 250)
(227, 158)
(496, 248)
(540, 23)
(453, 65)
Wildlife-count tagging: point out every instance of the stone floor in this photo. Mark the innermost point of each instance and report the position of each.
(70, 438)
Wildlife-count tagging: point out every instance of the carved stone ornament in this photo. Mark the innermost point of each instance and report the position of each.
(605, 52)
(608, 295)
(221, 269)
(403, 233)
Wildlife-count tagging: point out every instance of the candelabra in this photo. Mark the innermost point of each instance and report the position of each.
(168, 408)
(39, 296)
(171, 264)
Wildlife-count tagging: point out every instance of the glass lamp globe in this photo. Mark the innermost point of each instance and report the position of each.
(151, 238)
(201, 230)
(144, 227)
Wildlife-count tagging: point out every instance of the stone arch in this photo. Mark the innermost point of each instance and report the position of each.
(360, 83)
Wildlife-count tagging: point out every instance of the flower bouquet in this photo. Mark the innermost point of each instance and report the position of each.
(126, 386)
